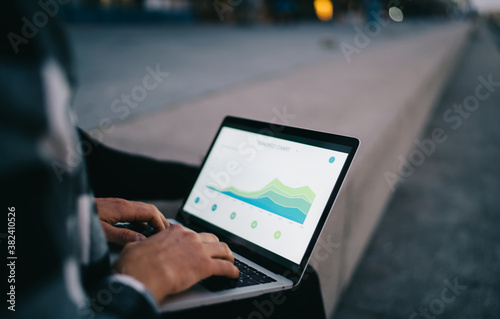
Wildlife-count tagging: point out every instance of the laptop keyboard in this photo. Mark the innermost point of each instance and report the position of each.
(248, 277)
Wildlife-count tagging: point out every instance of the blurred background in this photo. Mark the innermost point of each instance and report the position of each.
(256, 11)
(414, 232)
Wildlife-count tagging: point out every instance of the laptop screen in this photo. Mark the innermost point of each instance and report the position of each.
(270, 191)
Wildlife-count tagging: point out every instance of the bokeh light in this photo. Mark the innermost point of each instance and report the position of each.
(324, 9)
(396, 14)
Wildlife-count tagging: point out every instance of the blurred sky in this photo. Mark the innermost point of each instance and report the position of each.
(487, 5)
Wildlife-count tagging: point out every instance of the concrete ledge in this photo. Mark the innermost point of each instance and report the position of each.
(383, 97)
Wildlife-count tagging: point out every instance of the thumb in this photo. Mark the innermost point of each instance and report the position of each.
(121, 236)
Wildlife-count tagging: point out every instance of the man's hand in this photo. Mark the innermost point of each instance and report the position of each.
(114, 210)
(175, 259)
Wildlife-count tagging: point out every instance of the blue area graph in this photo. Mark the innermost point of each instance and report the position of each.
(287, 202)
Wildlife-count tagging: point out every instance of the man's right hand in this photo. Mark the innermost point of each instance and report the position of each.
(175, 259)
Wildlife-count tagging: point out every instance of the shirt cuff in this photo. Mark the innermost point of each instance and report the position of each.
(138, 286)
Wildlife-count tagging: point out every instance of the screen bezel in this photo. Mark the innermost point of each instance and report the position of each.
(258, 254)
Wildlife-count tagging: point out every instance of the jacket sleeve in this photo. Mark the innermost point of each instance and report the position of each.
(119, 296)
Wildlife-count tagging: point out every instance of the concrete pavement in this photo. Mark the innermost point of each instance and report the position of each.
(436, 252)
(200, 60)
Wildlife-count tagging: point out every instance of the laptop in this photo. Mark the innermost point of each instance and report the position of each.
(266, 190)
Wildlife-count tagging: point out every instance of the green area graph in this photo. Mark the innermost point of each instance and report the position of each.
(276, 197)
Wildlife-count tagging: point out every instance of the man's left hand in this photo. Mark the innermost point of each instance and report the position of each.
(114, 210)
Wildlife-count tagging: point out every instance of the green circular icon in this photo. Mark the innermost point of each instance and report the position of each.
(254, 224)
(277, 234)
(233, 215)
(214, 207)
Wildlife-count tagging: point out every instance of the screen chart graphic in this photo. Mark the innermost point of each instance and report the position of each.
(269, 191)
(277, 198)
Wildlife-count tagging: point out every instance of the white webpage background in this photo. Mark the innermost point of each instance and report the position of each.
(249, 161)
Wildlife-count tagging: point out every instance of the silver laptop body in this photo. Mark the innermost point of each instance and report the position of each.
(266, 190)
